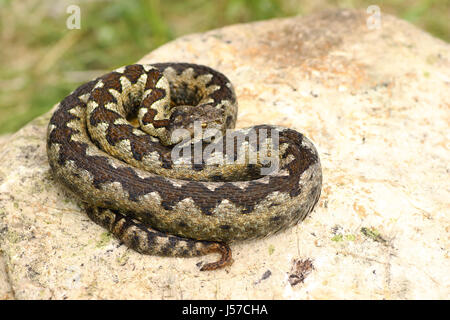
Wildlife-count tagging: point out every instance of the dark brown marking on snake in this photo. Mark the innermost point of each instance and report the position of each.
(101, 114)
(102, 96)
(167, 205)
(173, 241)
(166, 160)
(182, 224)
(149, 116)
(112, 81)
(154, 95)
(161, 123)
(133, 241)
(133, 72)
(152, 79)
(228, 121)
(117, 133)
(198, 166)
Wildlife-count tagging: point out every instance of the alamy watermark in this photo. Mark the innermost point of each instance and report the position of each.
(74, 20)
(250, 146)
(374, 19)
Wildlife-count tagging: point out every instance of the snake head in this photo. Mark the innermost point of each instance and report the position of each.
(201, 121)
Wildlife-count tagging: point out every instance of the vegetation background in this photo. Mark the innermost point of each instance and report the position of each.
(41, 61)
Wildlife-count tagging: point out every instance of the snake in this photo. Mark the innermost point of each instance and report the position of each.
(152, 153)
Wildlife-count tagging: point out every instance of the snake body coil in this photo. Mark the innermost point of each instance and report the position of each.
(131, 184)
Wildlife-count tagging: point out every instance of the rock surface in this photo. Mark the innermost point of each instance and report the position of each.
(375, 103)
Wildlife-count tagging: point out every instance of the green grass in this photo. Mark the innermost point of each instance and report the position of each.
(42, 61)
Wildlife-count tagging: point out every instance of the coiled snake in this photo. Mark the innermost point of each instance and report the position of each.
(130, 182)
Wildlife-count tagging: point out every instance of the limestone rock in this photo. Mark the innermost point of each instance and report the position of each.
(375, 103)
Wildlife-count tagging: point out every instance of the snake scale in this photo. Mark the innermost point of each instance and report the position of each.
(111, 142)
